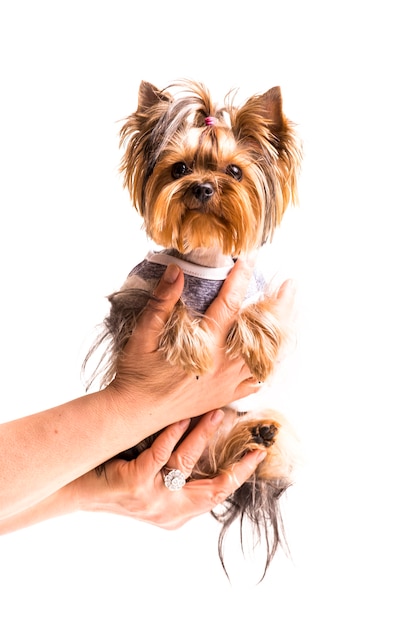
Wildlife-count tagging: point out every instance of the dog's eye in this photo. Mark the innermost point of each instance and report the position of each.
(179, 170)
(234, 171)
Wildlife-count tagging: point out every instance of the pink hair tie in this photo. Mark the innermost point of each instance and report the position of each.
(210, 121)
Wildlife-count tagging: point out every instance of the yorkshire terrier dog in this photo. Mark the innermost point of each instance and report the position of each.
(212, 183)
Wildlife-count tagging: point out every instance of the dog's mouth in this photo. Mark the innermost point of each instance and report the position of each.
(202, 210)
(192, 206)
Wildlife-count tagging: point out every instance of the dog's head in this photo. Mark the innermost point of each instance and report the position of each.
(204, 176)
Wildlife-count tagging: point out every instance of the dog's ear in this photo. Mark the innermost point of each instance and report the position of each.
(261, 118)
(261, 126)
(270, 107)
(282, 133)
(149, 96)
(140, 139)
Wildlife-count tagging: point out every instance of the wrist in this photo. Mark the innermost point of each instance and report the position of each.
(145, 409)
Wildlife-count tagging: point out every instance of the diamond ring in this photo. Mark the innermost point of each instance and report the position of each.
(174, 479)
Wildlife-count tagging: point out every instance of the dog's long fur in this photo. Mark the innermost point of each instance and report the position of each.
(212, 183)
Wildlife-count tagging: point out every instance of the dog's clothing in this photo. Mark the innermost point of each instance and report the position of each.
(201, 284)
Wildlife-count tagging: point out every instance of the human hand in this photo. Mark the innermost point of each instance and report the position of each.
(68, 441)
(143, 373)
(136, 488)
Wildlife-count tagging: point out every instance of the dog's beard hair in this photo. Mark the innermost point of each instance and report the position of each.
(233, 223)
(249, 211)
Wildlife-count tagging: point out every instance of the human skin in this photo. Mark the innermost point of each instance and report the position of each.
(48, 459)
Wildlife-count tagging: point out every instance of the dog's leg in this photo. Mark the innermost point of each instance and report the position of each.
(262, 429)
(258, 337)
(184, 342)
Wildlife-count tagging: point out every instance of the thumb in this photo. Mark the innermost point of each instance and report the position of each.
(285, 299)
(159, 307)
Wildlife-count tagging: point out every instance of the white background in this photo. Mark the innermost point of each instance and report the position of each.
(69, 72)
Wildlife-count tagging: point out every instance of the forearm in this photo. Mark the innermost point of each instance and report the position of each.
(135, 489)
(59, 503)
(50, 449)
(42, 453)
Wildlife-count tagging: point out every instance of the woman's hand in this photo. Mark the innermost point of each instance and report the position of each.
(136, 488)
(66, 442)
(143, 372)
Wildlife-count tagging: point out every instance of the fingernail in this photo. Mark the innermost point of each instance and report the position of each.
(292, 284)
(183, 424)
(217, 417)
(171, 274)
(250, 258)
(260, 457)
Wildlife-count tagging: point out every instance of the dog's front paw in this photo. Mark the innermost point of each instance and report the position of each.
(184, 342)
(258, 337)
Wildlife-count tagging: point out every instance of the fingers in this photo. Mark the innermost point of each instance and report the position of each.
(247, 387)
(204, 495)
(227, 304)
(187, 454)
(166, 294)
(142, 482)
(286, 300)
(244, 469)
(190, 450)
(158, 455)
(185, 457)
(224, 485)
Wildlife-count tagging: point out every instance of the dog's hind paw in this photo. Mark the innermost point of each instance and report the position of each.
(264, 434)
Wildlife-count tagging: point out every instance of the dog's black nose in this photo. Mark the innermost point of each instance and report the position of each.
(203, 191)
(264, 434)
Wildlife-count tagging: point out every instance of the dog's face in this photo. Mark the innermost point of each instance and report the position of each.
(208, 177)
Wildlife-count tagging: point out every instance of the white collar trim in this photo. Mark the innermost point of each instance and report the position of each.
(198, 271)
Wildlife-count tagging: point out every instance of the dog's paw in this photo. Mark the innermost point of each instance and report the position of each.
(258, 337)
(184, 342)
(264, 434)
